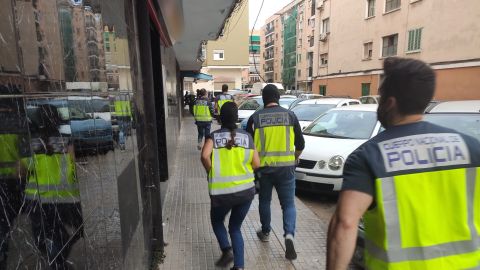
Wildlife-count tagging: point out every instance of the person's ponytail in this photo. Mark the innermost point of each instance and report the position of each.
(231, 143)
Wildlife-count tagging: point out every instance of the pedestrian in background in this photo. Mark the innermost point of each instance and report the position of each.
(222, 99)
(229, 157)
(203, 112)
(279, 141)
(416, 184)
(191, 102)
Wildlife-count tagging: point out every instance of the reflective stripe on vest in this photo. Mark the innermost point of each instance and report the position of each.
(231, 171)
(274, 140)
(236, 179)
(52, 179)
(201, 111)
(122, 108)
(425, 221)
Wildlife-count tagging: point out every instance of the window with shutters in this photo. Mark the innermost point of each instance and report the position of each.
(414, 40)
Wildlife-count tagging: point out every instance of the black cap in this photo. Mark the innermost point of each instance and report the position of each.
(270, 94)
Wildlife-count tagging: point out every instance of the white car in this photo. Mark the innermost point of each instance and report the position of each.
(310, 96)
(307, 110)
(329, 140)
(249, 106)
(369, 99)
(463, 116)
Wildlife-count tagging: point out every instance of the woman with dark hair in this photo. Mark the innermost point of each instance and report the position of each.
(229, 157)
(52, 190)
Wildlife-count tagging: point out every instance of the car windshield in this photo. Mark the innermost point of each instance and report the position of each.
(344, 124)
(251, 104)
(466, 123)
(308, 112)
(286, 102)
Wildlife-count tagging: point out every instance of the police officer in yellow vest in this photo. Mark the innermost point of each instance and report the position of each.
(417, 185)
(223, 98)
(203, 111)
(279, 141)
(12, 150)
(229, 156)
(52, 190)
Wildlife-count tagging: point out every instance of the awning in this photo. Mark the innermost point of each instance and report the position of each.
(197, 75)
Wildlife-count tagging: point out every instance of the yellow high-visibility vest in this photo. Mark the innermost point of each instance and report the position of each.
(231, 170)
(402, 231)
(274, 139)
(52, 178)
(9, 155)
(222, 99)
(201, 111)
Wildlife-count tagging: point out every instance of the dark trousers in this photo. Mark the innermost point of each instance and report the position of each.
(11, 198)
(49, 223)
(203, 130)
(217, 216)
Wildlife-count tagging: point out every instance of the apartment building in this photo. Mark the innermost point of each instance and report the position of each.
(288, 38)
(252, 75)
(227, 59)
(354, 37)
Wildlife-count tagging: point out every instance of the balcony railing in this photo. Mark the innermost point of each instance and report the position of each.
(268, 44)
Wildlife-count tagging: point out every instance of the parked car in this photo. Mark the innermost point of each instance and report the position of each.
(463, 116)
(284, 102)
(307, 110)
(369, 99)
(329, 140)
(89, 132)
(248, 107)
(258, 87)
(310, 96)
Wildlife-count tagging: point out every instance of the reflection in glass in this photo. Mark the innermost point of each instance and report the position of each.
(52, 193)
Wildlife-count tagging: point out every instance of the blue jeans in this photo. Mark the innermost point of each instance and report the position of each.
(284, 183)
(217, 216)
(203, 130)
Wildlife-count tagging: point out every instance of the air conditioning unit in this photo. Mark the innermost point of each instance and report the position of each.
(323, 37)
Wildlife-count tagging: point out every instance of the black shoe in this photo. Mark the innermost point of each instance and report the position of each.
(236, 268)
(226, 259)
(264, 237)
(290, 252)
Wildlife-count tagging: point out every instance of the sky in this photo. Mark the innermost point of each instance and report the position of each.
(269, 8)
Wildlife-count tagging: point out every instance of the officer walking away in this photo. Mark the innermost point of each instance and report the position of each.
(416, 184)
(203, 111)
(223, 98)
(279, 141)
(191, 102)
(52, 191)
(12, 140)
(229, 156)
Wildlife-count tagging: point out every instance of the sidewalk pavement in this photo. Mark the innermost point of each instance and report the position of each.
(188, 232)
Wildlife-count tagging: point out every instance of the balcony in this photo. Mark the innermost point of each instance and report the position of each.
(269, 30)
(269, 44)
